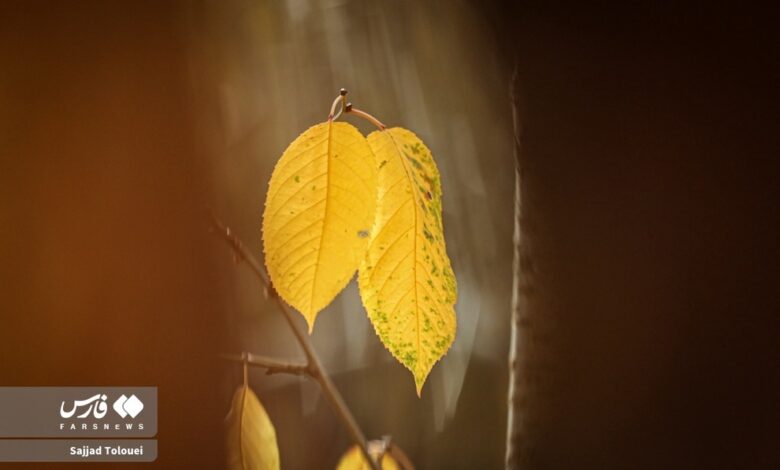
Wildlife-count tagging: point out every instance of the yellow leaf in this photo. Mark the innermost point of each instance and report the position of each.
(251, 438)
(353, 460)
(406, 281)
(318, 213)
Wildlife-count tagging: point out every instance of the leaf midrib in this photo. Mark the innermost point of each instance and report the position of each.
(241, 427)
(324, 221)
(409, 177)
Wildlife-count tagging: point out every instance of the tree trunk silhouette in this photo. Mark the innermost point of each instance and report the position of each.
(527, 330)
(641, 266)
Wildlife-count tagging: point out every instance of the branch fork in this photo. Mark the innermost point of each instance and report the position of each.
(313, 367)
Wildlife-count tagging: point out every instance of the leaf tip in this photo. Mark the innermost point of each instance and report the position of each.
(418, 383)
(310, 323)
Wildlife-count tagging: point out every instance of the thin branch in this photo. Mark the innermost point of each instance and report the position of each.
(316, 370)
(400, 456)
(385, 446)
(271, 365)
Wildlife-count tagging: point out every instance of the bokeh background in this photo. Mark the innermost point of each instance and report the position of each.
(125, 123)
(648, 152)
(434, 68)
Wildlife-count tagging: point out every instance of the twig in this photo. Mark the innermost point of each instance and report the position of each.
(316, 370)
(271, 365)
(385, 446)
(400, 456)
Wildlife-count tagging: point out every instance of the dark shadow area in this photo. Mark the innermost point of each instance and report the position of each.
(649, 184)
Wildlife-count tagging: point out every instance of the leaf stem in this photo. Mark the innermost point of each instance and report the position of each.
(357, 112)
(343, 99)
(245, 368)
(314, 367)
(332, 116)
(347, 108)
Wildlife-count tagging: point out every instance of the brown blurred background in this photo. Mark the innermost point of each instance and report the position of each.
(121, 122)
(106, 270)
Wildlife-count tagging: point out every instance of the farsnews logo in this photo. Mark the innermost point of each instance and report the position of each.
(96, 407)
(128, 406)
(58, 412)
